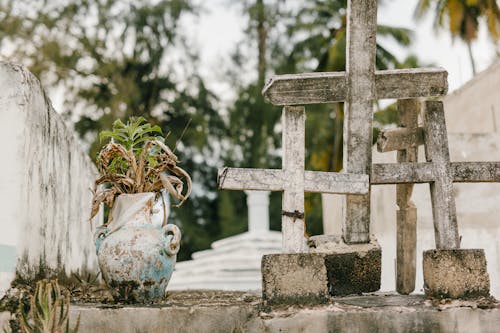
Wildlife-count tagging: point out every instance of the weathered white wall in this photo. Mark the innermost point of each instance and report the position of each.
(475, 107)
(45, 181)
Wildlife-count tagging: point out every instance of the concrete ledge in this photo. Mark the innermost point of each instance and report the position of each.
(294, 279)
(457, 273)
(217, 311)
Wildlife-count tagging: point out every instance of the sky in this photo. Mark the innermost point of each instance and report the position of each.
(218, 29)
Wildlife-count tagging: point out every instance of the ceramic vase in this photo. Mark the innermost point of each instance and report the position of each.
(137, 251)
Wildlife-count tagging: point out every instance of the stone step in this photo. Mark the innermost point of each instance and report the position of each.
(211, 272)
(237, 249)
(224, 260)
(240, 244)
(269, 237)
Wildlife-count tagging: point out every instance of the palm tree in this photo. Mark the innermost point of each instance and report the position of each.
(463, 17)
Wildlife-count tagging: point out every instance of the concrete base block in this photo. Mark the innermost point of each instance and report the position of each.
(294, 279)
(332, 268)
(457, 273)
(351, 268)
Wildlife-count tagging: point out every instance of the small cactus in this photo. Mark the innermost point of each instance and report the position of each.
(49, 309)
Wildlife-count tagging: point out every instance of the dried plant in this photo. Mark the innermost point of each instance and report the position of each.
(49, 310)
(86, 287)
(137, 160)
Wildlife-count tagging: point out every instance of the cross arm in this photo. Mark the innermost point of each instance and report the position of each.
(333, 182)
(401, 173)
(329, 87)
(476, 172)
(399, 139)
(462, 172)
(274, 180)
(250, 179)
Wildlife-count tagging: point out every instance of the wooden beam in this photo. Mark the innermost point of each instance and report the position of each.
(331, 182)
(476, 172)
(400, 138)
(462, 172)
(293, 214)
(358, 112)
(406, 215)
(411, 83)
(330, 87)
(406, 246)
(274, 179)
(250, 179)
(307, 88)
(401, 173)
(443, 202)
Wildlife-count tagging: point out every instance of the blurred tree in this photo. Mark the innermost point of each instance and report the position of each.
(462, 18)
(252, 121)
(121, 58)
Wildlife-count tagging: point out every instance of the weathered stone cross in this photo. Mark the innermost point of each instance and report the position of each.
(438, 171)
(292, 180)
(359, 86)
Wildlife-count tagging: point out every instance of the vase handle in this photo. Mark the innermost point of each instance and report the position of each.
(172, 234)
(100, 234)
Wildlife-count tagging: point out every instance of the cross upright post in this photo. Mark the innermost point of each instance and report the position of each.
(292, 224)
(406, 215)
(358, 112)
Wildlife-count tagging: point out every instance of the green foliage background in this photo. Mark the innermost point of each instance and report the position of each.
(120, 58)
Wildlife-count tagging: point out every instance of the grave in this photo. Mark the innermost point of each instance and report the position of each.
(471, 113)
(443, 176)
(359, 87)
(305, 272)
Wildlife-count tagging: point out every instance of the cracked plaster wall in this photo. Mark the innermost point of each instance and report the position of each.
(44, 182)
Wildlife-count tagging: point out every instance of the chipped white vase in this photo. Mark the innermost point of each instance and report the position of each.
(137, 251)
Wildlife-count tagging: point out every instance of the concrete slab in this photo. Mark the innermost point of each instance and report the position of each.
(457, 273)
(218, 311)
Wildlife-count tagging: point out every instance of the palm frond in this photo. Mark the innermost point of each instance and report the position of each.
(402, 36)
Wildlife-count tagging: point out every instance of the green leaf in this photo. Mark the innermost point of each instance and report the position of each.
(115, 135)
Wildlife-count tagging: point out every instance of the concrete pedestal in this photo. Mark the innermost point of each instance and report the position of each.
(457, 273)
(351, 269)
(298, 278)
(331, 268)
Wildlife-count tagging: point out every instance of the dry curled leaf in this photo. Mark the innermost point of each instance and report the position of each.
(132, 169)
